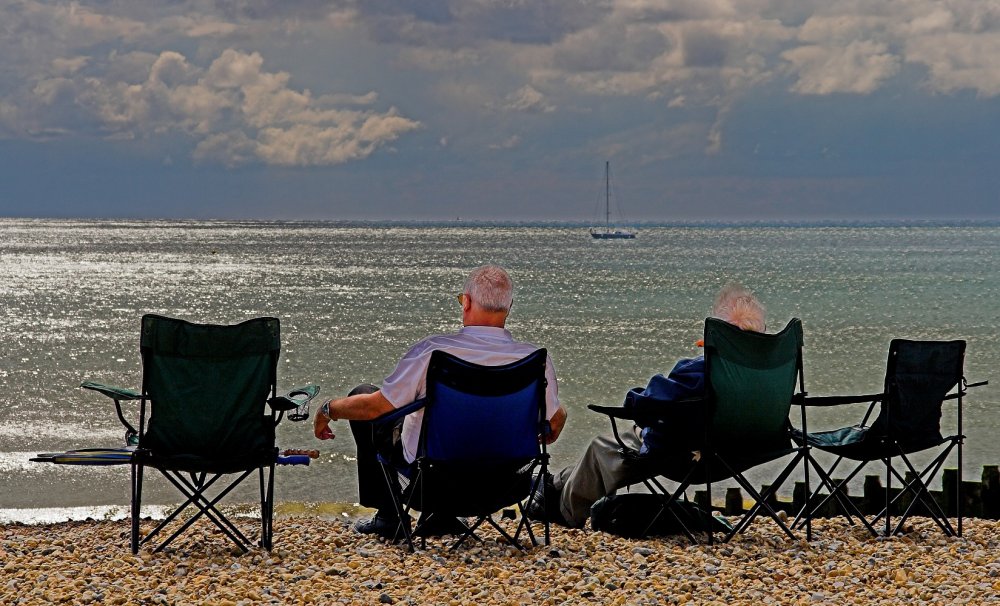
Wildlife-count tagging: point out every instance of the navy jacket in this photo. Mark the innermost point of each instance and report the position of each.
(686, 380)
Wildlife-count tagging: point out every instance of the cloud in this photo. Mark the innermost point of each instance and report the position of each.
(859, 68)
(236, 111)
(509, 143)
(464, 23)
(959, 61)
(271, 82)
(527, 99)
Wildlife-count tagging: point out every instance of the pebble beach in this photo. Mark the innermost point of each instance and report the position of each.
(322, 561)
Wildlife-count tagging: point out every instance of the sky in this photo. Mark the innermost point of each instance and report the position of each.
(500, 109)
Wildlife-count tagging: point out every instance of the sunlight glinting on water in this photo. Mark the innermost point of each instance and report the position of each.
(353, 298)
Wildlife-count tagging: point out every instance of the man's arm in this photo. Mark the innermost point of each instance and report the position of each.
(359, 407)
(556, 423)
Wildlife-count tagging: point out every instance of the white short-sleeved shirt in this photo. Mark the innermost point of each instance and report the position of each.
(484, 345)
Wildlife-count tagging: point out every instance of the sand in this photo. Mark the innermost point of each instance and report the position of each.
(322, 561)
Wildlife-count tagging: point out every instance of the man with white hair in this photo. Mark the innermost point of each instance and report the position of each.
(486, 300)
(570, 493)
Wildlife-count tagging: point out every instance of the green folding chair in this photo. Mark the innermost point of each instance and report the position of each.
(208, 411)
(741, 423)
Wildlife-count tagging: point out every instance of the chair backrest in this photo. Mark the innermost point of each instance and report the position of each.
(750, 382)
(918, 376)
(207, 386)
(483, 413)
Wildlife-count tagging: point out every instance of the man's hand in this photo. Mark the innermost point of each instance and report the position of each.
(556, 424)
(321, 423)
(359, 407)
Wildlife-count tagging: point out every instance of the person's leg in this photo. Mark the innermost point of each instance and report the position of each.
(600, 471)
(373, 491)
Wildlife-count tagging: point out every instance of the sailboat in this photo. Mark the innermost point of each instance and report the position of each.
(609, 232)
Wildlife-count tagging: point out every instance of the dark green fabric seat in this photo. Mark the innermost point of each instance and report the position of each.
(920, 377)
(208, 409)
(742, 422)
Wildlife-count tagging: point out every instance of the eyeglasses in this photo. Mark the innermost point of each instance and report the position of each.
(461, 298)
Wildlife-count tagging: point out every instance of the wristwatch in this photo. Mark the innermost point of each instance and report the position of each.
(325, 410)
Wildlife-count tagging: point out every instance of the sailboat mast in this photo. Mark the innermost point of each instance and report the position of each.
(610, 233)
(607, 194)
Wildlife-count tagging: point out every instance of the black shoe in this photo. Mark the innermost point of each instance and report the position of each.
(543, 505)
(379, 525)
(437, 525)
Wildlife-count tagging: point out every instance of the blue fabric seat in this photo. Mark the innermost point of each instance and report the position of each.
(480, 447)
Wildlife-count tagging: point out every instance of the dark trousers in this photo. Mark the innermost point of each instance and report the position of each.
(373, 490)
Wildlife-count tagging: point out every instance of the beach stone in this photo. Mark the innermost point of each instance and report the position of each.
(759, 567)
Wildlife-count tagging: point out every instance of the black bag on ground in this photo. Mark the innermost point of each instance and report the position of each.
(630, 515)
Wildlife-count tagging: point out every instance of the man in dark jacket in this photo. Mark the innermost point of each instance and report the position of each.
(603, 469)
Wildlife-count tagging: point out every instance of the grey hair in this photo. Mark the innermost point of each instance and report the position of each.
(737, 305)
(490, 288)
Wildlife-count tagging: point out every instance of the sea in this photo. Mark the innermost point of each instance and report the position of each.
(352, 298)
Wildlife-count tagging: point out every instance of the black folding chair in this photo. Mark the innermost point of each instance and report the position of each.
(920, 377)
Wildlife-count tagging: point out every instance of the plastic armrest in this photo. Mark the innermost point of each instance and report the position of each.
(115, 393)
(294, 398)
(838, 400)
(647, 415)
(118, 394)
(394, 415)
(616, 412)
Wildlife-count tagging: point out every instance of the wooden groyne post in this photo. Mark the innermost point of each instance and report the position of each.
(980, 498)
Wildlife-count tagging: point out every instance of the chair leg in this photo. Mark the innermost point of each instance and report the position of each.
(668, 500)
(838, 492)
(266, 508)
(537, 487)
(195, 490)
(401, 514)
(504, 533)
(136, 503)
(471, 532)
(761, 499)
(888, 492)
(922, 495)
(708, 487)
(806, 459)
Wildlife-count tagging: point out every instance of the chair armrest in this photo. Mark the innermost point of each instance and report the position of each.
(295, 398)
(394, 415)
(838, 400)
(963, 390)
(118, 394)
(618, 412)
(647, 415)
(638, 417)
(115, 393)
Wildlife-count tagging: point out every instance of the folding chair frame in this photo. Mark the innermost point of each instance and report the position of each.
(915, 486)
(194, 488)
(709, 455)
(403, 504)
